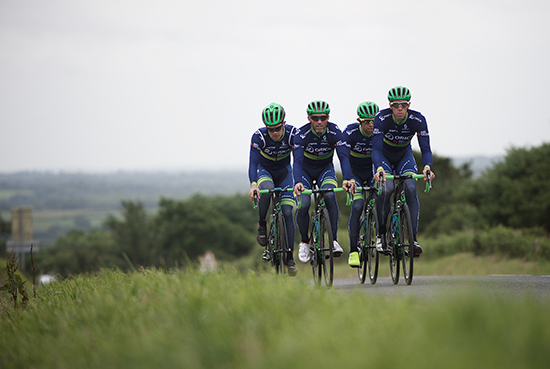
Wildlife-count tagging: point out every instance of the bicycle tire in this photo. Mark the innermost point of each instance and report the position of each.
(281, 246)
(316, 257)
(372, 253)
(271, 238)
(326, 242)
(362, 249)
(392, 238)
(406, 243)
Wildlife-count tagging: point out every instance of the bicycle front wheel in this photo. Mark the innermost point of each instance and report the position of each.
(326, 242)
(362, 249)
(370, 244)
(406, 243)
(392, 239)
(281, 245)
(316, 255)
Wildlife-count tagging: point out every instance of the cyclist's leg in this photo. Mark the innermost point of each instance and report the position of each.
(355, 214)
(383, 199)
(327, 179)
(287, 201)
(354, 220)
(265, 182)
(408, 166)
(302, 214)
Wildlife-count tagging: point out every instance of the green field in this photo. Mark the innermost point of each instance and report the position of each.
(154, 319)
(6, 194)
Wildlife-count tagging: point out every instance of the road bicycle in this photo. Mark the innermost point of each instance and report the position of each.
(399, 235)
(277, 248)
(321, 239)
(366, 245)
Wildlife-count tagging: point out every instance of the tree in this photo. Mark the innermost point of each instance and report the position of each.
(80, 252)
(194, 226)
(516, 191)
(132, 234)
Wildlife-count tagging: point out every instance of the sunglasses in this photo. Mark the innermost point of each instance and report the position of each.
(276, 129)
(365, 120)
(318, 118)
(399, 105)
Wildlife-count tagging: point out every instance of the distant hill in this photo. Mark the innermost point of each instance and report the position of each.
(48, 190)
(62, 201)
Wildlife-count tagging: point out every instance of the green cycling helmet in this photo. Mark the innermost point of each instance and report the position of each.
(367, 110)
(273, 114)
(399, 93)
(318, 107)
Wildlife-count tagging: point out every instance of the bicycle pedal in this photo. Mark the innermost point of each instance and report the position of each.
(266, 256)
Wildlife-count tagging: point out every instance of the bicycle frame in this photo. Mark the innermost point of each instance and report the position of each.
(368, 255)
(400, 238)
(320, 227)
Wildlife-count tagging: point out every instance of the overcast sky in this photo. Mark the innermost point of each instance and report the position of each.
(110, 85)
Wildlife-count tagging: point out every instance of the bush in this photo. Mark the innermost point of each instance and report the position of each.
(528, 244)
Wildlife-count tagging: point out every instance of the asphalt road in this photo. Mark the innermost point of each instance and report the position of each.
(433, 286)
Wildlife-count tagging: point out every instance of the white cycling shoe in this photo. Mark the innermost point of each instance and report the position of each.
(304, 253)
(337, 249)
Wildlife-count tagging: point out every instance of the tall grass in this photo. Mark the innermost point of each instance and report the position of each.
(155, 319)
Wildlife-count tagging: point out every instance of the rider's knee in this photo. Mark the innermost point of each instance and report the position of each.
(357, 206)
(287, 211)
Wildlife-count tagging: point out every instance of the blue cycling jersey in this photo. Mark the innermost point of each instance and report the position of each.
(359, 145)
(315, 151)
(270, 154)
(392, 140)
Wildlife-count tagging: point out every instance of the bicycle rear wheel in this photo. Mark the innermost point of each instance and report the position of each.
(392, 239)
(281, 244)
(326, 241)
(406, 243)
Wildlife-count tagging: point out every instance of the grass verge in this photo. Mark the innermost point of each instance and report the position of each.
(190, 319)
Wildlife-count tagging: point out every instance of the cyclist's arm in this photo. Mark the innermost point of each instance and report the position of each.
(424, 143)
(298, 160)
(377, 144)
(253, 162)
(343, 152)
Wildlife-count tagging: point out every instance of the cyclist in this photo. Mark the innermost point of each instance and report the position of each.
(269, 167)
(394, 129)
(358, 138)
(314, 146)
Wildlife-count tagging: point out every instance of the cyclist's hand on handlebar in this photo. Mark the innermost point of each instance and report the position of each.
(253, 193)
(425, 171)
(298, 189)
(349, 186)
(380, 176)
